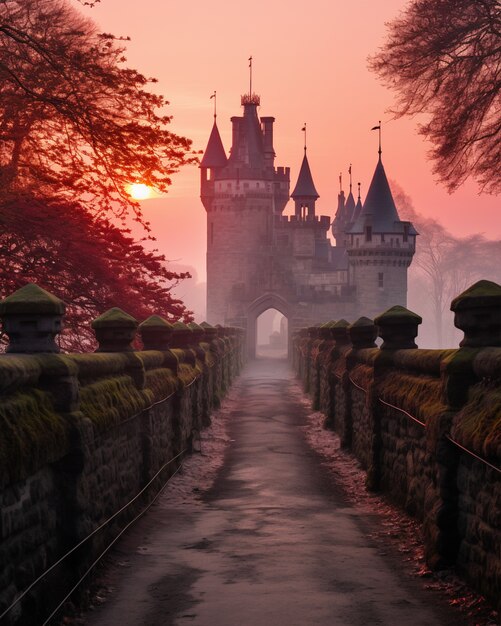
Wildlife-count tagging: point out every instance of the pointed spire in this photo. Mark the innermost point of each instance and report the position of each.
(358, 207)
(305, 187)
(379, 204)
(214, 155)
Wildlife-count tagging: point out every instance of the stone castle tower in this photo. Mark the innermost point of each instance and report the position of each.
(258, 259)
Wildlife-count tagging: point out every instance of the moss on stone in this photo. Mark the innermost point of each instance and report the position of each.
(155, 321)
(483, 290)
(99, 364)
(33, 434)
(342, 323)
(160, 383)
(151, 359)
(362, 375)
(362, 322)
(397, 314)
(18, 371)
(487, 364)
(187, 373)
(114, 318)
(421, 396)
(181, 326)
(31, 299)
(111, 401)
(210, 359)
(478, 425)
(421, 361)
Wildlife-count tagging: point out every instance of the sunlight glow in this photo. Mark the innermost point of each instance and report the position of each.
(140, 191)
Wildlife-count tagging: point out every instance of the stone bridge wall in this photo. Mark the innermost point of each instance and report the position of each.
(424, 424)
(81, 435)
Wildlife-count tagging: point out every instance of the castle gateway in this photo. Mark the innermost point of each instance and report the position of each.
(258, 259)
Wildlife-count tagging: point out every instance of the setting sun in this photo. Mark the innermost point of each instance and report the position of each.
(140, 191)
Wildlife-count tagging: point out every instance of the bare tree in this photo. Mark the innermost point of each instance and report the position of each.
(443, 58)
(445, 265)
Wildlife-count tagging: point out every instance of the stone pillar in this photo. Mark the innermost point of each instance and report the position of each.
(477, 312)
(398, 327)
(115, 331)
(156, 333)
(363, 333)
(32, 317)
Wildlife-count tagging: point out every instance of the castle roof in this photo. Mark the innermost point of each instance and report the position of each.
(305, 187)
(357, 210)
(379, 207)
(349, 207)
(247, 150)
(214, 155)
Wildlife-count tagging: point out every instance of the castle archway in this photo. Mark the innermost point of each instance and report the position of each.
(256, 309)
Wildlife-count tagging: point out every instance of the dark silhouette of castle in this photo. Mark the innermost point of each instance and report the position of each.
(259, 259)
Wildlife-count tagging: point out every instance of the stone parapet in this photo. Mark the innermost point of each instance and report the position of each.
(83, 434)
(424, 424)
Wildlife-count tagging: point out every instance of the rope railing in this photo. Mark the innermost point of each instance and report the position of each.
(423, 425)
(106, 522)
(471, 453)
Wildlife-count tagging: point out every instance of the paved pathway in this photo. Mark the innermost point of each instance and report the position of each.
(273, 542)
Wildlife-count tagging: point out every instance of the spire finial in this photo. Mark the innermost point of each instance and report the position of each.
(349, 172)
(215, 104)
(358, 191)
(340, 182)
(250, 76)
(379, 129)
(304, 131)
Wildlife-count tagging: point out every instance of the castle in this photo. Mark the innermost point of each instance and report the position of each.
(258, 259)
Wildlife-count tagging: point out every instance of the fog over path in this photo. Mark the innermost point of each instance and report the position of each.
(272, 542)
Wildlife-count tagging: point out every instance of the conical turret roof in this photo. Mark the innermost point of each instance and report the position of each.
(305, 188)
(349, 207)
(214, 155)
(379, 205)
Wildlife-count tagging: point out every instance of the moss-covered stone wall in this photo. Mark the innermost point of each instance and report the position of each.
(402, 413)
(81, 435)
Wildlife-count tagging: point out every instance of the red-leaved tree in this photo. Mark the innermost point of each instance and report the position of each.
(77, 127)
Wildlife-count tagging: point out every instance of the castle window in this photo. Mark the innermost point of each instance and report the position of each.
(380, 280)
(358, 242)
(406, 232)
(368, 233)
(382, 237)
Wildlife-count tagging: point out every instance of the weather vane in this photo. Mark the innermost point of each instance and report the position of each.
(215, 101)
(379, 129)
(250, 76)
(304, 131)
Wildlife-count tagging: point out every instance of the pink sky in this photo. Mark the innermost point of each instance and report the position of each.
(309, 66)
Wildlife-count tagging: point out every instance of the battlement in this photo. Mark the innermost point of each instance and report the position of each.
(292, 221)
(282, 174)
